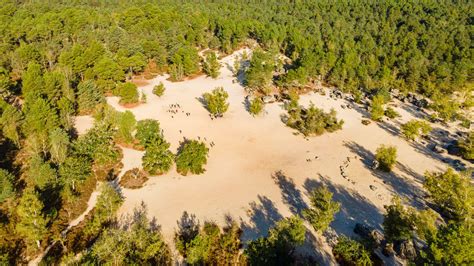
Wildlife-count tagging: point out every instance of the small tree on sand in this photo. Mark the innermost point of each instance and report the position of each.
(192, 156)
(376, 108)
(256, 106)
(386, 156)
(211, 65)
(322, 210)
(216, 101)
(128, 93)
(157, 159)
(159, 89)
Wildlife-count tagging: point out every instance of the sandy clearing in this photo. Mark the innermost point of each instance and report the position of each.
(258, 172)
(83, 123)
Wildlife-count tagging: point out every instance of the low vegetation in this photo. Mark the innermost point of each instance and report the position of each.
(211, 65)
(256, 106)
(128, 93)
(313, 121)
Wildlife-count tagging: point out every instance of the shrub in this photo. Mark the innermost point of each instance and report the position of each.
(192, 156)
(386, 156)
(391, 113)
(216, 101)
(322, 210)
(128, 93)
(133, 179)
(159, 89)
(414, 128)
(467, 146)
(157, 159)
(351, 252)
(256, 106)
(125, 126)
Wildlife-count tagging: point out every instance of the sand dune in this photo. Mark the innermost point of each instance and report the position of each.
(258, 172)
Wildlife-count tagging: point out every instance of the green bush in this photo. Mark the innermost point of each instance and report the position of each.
(414, 128)
(128, 93)
(159, 89)
(256, 106)
(157, 159)
(211, 65)
(313, 121)
(7, 188)
(322, 210)
(192, 156)
(148, 132)
(467, 146)
(351, 252)
(376, 108)
(391, 113)
(216, 101)
(386, 156)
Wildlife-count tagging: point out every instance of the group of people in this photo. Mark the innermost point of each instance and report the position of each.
(175, 108)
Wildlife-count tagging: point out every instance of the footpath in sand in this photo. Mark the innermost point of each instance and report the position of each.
(259, 171)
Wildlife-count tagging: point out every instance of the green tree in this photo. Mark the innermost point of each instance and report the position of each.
(467, 146)
(7, 185)
(376, 108)
(351, 252)
(128, 93)
(31, 223)
(453, 244)
(322, 210)
(216, 101)
(191, 157)
(148, 132)
(211, 65)
(88, 97)
(279, 245)
(159, 89)
(157, 158)
(312, 120)
(391, 113)
(414, 128)
(11, 123)
(40, 173)
(260, 72)
(452, 193)
(386, 156)
(74, 170)
(398, 222)
(125, 126)
(58, 145)
(108, 203)
(256, 106)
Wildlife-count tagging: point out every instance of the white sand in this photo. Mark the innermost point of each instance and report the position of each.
(83, 123)
(248, 151)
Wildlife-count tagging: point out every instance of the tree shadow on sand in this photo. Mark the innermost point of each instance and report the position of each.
(290, 193)
(398, 184)
(355, 208)
(263, 216)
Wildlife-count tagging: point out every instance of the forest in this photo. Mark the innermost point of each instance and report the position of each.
(59, 59)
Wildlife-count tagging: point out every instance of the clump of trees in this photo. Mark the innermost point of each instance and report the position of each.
(128, 93)
(386, 156)
(313, 121)
(415, 128)
(278, 247)
(216, 101)
(322, 210)
(159, 89)
(211, 65)
(259, 74)
(191, 157)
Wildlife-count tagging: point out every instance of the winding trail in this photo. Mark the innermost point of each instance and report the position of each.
(90, 205)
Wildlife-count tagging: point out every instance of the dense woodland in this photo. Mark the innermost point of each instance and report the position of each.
(60, 59)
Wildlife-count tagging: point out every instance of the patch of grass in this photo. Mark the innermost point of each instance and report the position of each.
(133, 179)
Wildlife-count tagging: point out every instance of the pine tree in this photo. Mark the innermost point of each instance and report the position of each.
(31, 221)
